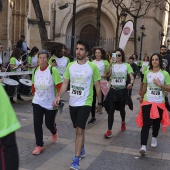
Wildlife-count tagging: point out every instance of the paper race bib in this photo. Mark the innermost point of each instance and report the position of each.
(77, 91)
(118, 81)
(155, 92)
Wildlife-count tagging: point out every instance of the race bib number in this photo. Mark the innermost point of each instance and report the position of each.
(118, 81)
(155, 92)
(77, 91)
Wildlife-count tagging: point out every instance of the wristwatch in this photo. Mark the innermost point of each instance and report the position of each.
(100, 104)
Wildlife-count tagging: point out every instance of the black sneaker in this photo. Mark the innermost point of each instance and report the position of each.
(12, 101)
(92, 121)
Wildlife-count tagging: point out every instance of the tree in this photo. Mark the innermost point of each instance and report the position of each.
(98, 22)
(135, 8)
(41, 22)
(118, 13)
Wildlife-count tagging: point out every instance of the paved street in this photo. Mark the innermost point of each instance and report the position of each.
(121, 152)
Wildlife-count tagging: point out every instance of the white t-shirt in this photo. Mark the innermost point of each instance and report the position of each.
(155, 93)
(119, 75)
(61, 66)
(82, 78)
(102, 66)
(45, 90)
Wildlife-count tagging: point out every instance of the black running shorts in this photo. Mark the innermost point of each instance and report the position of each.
(79, 115)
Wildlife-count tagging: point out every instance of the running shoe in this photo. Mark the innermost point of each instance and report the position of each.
(92, 120)
(83, 153)
(55, 136)
(60, 108)
(75, 164)
(123, 126)
(154, 142)
(37, 150)
(108, 134)
(142, 150)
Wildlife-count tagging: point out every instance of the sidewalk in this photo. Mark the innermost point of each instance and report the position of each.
(121, 152)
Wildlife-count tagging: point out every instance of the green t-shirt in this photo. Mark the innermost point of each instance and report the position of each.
(8, 120)
(15, 62)
(155, 93)
(82, 78)
(32, 61)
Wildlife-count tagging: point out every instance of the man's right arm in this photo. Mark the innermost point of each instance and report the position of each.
(60, 94)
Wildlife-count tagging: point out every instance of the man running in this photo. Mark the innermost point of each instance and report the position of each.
(82, 74)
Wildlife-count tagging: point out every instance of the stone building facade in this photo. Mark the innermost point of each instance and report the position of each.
(18, 17)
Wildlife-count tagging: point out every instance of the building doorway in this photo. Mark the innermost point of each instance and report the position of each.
(88, 33)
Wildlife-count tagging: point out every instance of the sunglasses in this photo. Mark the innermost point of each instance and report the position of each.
(118, 55)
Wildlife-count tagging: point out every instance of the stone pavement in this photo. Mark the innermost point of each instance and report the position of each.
(121, 152)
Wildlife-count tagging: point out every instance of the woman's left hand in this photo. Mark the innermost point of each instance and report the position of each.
(129, 86)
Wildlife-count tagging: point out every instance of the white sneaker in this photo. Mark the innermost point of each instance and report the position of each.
(154, 142)
(142, 150)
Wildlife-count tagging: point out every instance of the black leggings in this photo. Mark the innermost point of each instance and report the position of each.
(38, 113)
(116, 101)
(147, 124)
(112, 108)
(9, 158)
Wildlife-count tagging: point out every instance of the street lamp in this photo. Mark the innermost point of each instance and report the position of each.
(123, 16)
(73, 24)
(162, 36)
(142, 30)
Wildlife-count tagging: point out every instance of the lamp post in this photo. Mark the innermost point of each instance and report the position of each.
(123, 16)
(142, 29)
(162, 36)
(73, 24)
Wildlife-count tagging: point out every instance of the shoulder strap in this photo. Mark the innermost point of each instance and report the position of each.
(51, 69)
(35, 69)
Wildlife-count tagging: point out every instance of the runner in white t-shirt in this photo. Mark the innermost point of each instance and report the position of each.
(81, 74)
(46, 83)
(118, 73)
(156, 82)
(102, 66)
(61, 64)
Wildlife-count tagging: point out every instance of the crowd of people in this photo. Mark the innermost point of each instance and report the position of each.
(91, 82)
